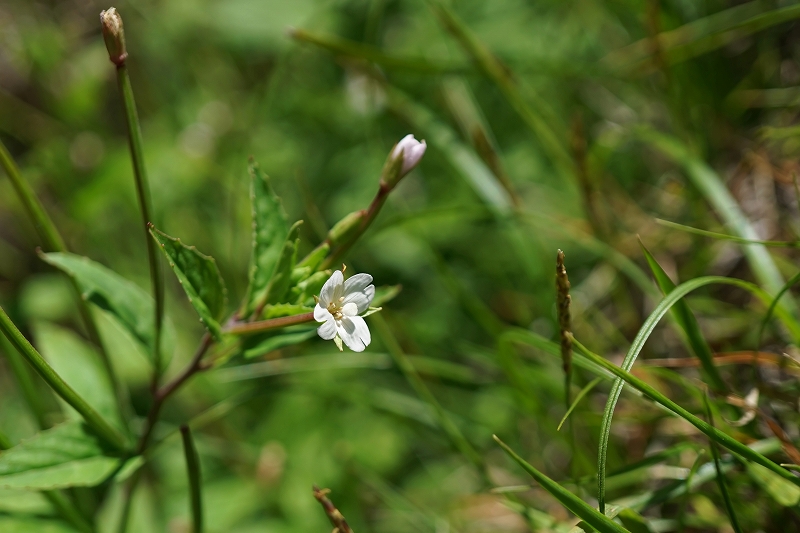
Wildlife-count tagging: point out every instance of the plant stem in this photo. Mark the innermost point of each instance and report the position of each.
(54, 242)
(366, 220)
(251, 328)
(29, 393)
(92, 417)
(193, 470)
(160, 396)
(43, 224)
(143, 193)
(722, 438)
(334, 515)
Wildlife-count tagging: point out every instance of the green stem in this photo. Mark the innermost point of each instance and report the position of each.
(31, 395)
(43, 224)
(407, 368)
(92, 417)
(54, 242)
(722, 438)
(193, 470)
(143, 193)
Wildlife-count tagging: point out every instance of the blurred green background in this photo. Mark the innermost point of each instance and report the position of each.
(558, 150)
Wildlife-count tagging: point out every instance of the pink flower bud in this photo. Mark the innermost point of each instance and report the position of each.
(412, 151)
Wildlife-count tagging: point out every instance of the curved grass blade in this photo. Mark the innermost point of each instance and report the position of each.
(580, 508)
(638, 343)
(688, 323)
(721, 438)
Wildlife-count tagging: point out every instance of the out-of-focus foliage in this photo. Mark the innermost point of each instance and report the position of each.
(600, 117)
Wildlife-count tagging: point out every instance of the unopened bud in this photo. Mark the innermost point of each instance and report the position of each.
(346, 228)
(404, 157)
(114, 35)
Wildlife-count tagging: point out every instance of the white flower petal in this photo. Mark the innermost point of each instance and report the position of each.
(349, 333)
(327, 330)
(329, 290)
(404, 144)
(356, 283)
(360, 299)
(321, 314)
(362, 331)
(350, 309)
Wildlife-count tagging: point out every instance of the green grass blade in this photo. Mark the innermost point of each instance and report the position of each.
(636, 347)
(725, 236)
(721, 438)
(580, 508)
(723, 487)
(688, 323)
(789, 284)
(584, 391)
(723, 202)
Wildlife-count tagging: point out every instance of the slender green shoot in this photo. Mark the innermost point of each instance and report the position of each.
(584, 391)
(114, 35)
(685, 498)
(42, 222)
(92, 417)
(193, 470)
(32, 396)
(725, 236)
(52, 241)
(723, 487)
(789, 284)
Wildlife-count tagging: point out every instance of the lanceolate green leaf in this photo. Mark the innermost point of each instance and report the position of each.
(200, 278)
(688, 323)
(586, 512)
(270, 228)
(281, 277)
(64, 456)
(79, 365)
(638, 343)
(129, 303)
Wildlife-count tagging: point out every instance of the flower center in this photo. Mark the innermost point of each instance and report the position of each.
(335, 308)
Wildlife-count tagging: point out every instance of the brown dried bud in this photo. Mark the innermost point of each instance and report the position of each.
(114, 36)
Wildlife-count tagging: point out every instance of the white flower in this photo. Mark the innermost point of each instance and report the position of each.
(412, 151)
(340, 302)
